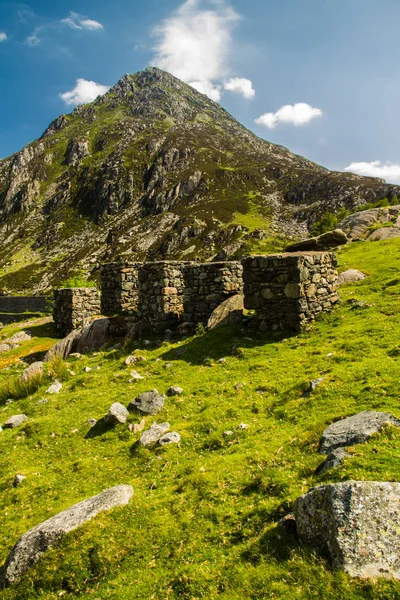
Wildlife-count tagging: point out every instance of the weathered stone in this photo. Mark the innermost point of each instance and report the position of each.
(357, 522)
(72, 306)
(170, 438)
(149, 403)
(325, 241)
(15, 421)
(55, 388)
(334, 459)
(35, 370)
(151, 436)
(134, 358)
(19, 338)
(354, 430)
(350, 276)
(228, 312)
(91, 422)
(136, 427)
(18, 479)
(135, 375)
(175, 390)
(117, 414)
(35, 542)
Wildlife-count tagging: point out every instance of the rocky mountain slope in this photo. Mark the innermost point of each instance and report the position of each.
(151, 170)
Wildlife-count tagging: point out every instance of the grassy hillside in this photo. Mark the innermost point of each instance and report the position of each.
(203, 519)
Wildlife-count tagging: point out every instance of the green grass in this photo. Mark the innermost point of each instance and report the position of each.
(202, 523)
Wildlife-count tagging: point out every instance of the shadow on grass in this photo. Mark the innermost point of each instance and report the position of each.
(100, 428)
(227, 340)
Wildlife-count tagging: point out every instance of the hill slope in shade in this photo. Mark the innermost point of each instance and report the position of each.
(155, 170)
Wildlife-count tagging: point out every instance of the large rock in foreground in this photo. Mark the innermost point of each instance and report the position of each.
(354, 430)
(30, 547)
(357, 522)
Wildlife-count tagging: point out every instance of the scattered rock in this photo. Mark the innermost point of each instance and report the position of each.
(221, 361)
(42, 401)
(239, 386)
(18, 479)
(34, 370)
(71, 373)
(4, 347)
(35, 542)
(15, 421)
(117, 414)
(228, 312)
(313, 384)
(135, 375)
(227, 433)
(334, 459)
(325, 241)
(134, 358)
(86, 369)
(350, 276)
(207, 362)
(170, 438)
(168, 365)
(149, 403)
(354, 430)
(242, 426)
(357, 522)
(20, 338)
(91, 422)
(175, 390)
(76, 355)
(151, 436)
(384, 233)
(55, 388)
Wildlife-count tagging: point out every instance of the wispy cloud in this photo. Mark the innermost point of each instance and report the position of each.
(389, 171)
(34, 39)
(83, 92)
(77, 21)
(195, 43)
(293, 114)
(3, 36)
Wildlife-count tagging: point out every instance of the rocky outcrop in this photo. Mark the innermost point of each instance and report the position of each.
(35, 542)
(357, 523)
(354, 430)
(373, 224)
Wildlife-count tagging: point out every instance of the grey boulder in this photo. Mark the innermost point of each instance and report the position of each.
(151, 436)
(228, 312)
(35, 542)
(325, 241)
(354, 430)
(149, 403)
(15, 421)
(357, 522)
(350, 276)
(334, 459)
(117, 414)
(55, 387)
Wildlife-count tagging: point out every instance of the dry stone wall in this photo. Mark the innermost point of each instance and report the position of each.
(289, 290)
(73, 305)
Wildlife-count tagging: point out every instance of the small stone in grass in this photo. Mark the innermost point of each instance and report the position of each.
(175, 390)
(170, 438)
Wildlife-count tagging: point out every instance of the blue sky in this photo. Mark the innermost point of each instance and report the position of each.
(317, 76)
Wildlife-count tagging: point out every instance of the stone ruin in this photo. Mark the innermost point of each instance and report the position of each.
(286, 291)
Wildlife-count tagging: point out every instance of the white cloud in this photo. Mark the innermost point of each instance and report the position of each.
(84, 92)
(388, 171)
(296, 114)
(194, 44)
(241, 86)
(3, 36)
(207, 87)
(76, 21)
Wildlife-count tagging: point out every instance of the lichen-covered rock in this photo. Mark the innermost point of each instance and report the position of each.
(354, 430)
(151, 436)
(169, 438)
(357, 522)
(35, 542)
(117, 414)
(149, 403)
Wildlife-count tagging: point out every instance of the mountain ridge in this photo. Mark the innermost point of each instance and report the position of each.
(154, 169)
